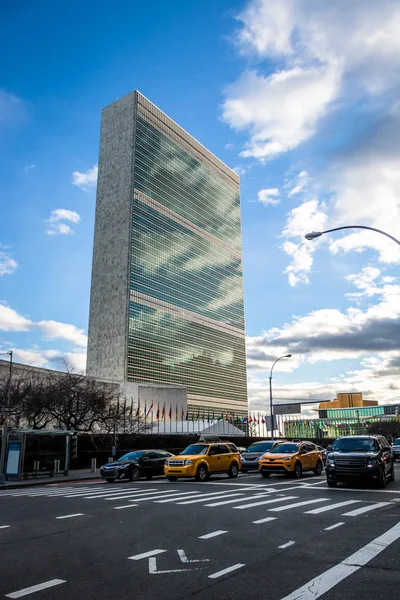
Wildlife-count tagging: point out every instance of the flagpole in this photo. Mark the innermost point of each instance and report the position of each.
(164, 418)
(145, 414)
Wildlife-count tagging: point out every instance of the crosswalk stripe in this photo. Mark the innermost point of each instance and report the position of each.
(136, 498)
(364, 509)
(334, 526)
(296, 504)
(210, 497)
(174, 496)
(235, 500)
(116, 493)
(109, 490)
(112, 495)
(243, 506)
(185, 494)
(266, 520)
(321, 509)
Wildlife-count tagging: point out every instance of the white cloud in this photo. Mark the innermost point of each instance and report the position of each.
(29, 168)
(7, 264)
(10, 320)
(60, 229)
(55, 330)
(309, 216)
(302, 181)
(86, 180)
(280, 110)
(62, 214)
(51, 359)
(240, 170)
(269, 196)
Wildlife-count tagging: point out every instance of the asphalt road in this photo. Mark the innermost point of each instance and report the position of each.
(242, 539)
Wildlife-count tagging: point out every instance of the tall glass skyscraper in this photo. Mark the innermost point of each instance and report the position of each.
(167, 286)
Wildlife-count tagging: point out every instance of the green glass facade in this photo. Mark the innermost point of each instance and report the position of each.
(186, 313)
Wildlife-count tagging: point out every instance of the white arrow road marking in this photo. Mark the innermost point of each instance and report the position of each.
(153, 568)
(146, 554)
(185, 559)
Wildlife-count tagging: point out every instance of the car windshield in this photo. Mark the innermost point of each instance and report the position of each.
(285, 449)
(195, 449)
(132, 456)
(396, 442)
(260, 447)
(356, 445)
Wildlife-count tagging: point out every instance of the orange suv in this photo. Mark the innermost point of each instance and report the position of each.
(203, 459)
(291, 458)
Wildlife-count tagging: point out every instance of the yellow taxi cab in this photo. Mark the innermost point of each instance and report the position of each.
(203, 459)
(291, 458)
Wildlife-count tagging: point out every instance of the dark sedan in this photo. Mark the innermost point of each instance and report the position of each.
(251, 456)
(136, 464)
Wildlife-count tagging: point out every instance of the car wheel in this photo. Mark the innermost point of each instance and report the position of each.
(233, 471)
(265, 475)
(298, 470)
(332, 484)
(202, 473)
(318, 468)
(244, 470)
(110, 480)
(172, 478)
(382, 481)
(135, 474)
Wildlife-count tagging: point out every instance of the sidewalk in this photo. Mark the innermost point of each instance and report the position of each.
(73, 476)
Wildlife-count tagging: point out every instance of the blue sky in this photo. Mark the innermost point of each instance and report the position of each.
(311, 123)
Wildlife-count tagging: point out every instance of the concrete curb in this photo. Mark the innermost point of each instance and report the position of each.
(12, 485)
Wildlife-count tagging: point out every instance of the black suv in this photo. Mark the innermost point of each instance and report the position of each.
(358, 457)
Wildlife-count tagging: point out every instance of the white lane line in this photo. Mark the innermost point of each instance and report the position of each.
(226, 571)
(322, 509)
(146, 554)
(183, 495)
(35, 588)
(125, 506)
(318, 586)
(235, 500)
(4, 526)
(287, 544)
(242, 506)
(211, 535)
(364, 509)
(71, 516)
(334, 526)
(210, 497)
(296, 504)
(266, 520)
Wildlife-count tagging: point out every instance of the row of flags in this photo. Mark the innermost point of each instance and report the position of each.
(202, 414)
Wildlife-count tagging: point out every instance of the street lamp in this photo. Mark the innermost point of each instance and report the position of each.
(270, 393)
(315, 234)
(6, 409)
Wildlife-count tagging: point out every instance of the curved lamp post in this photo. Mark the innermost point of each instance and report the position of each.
(270, 393)
(315, 234)
(6, 409)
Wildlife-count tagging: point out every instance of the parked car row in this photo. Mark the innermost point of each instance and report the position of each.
(349, 458)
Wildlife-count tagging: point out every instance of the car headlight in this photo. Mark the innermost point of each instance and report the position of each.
(373, 462)
(287, 458)
(188, 462)
(330, 462)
